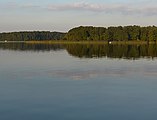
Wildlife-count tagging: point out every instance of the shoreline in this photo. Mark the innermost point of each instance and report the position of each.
(80, 42)
(89, 42)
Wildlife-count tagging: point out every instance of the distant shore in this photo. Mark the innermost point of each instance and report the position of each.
(88, 34)
(12, 41)
(79, 42)
(90, 42)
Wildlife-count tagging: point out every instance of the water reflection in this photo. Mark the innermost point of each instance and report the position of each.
(90, 50)
(30, 47)
(113, 51)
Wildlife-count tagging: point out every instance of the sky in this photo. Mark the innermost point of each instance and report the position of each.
(62, 15)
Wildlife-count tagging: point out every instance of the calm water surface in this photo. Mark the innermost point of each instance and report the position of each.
(78, 82)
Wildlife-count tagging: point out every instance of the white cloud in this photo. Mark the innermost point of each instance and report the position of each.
(123, 8)
(14, 5)
(86, 6)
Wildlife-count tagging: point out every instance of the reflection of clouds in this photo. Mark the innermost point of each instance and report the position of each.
(86, 74)
(150, 72)
(22, 74)
(80, 75)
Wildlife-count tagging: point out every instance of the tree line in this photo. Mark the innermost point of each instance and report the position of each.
(34, 35)
(126, 33)
(88, 33)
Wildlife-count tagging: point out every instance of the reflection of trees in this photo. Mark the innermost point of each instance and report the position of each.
(30, 47)
(90, 50)
(112, 51)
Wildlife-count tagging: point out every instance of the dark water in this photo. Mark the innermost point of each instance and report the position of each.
(78, 82)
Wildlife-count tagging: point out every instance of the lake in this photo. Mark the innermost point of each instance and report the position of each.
(78, 82)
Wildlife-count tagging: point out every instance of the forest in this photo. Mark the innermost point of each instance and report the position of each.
(88, 33)
(126, 33)
(34, 35)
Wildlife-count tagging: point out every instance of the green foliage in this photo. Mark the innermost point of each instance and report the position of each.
(36, 35)
(126, 33)
(133, 32)
(88, 33)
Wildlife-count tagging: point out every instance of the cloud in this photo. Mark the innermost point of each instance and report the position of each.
(123, 8)
(14, 5)
(83, 6)
(141, 8)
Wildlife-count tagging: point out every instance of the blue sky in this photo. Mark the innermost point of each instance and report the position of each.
(62, 15)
